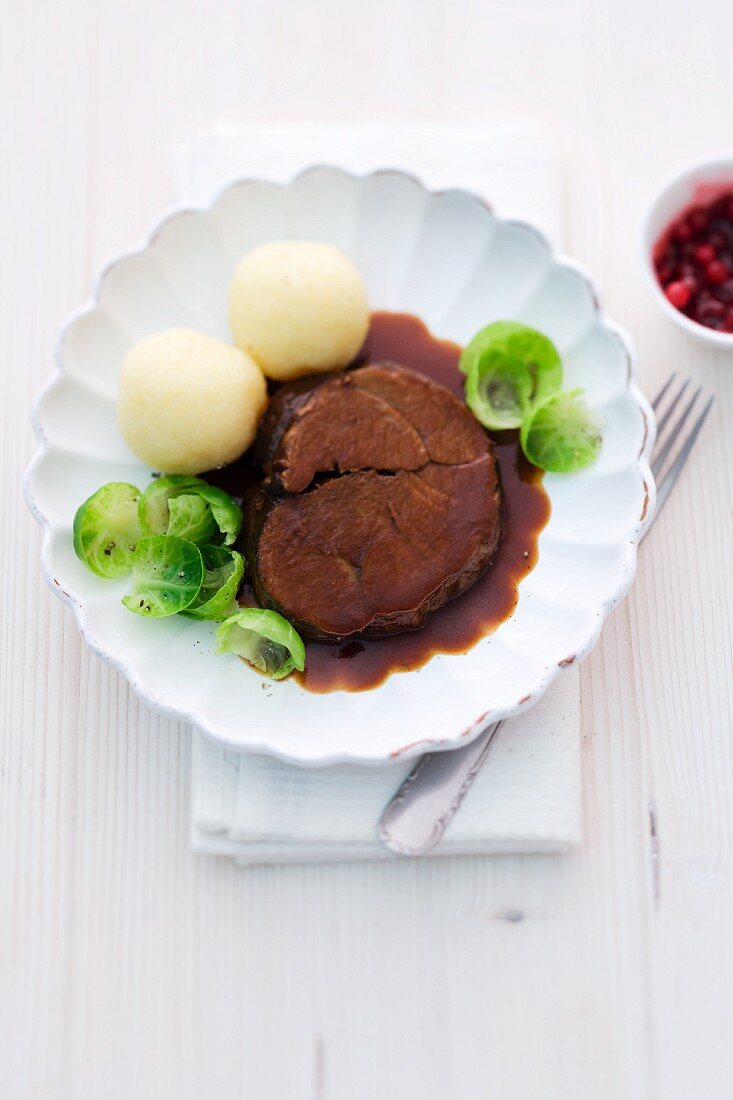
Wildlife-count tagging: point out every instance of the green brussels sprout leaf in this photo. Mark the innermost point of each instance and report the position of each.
(561, 435)
(263, 638)
(167, 574)
(154, 508)
(191, 518)
(226, 512)
(509, 369)
(499, 390)
(224, 572)
(159, 515)
(106, 529)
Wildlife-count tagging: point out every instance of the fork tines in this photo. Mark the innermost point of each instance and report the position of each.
(675, 438)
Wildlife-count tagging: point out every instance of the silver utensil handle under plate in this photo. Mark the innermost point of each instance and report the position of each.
(420, 812)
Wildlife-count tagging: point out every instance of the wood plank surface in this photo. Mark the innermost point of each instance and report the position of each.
(130, 968)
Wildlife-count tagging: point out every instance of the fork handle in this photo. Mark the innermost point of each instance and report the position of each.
(420, 812)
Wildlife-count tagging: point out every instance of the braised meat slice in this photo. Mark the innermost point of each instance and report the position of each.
(379, 503)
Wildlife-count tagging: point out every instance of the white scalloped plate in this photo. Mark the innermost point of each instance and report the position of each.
(447, 258)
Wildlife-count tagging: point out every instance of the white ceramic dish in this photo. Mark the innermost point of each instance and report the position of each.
(446, 257)
(675, 192)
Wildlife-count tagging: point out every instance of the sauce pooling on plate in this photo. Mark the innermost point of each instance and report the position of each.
(359, 664)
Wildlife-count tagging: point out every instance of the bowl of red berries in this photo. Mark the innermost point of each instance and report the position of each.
(688, 249)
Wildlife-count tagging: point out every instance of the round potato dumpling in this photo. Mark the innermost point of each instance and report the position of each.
(298, 307)
(189, 402)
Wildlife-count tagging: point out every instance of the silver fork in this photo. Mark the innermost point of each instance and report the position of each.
(415, 819)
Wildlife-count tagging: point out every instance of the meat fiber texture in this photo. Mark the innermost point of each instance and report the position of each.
(379, 502)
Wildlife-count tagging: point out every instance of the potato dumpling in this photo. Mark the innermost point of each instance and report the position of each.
(298, 307)
(188, 402)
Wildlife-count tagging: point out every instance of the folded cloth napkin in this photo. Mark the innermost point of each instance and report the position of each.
(528, 796)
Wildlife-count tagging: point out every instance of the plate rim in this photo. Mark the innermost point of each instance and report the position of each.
(413, 748)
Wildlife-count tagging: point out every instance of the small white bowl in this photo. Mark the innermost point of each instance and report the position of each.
(678, 190)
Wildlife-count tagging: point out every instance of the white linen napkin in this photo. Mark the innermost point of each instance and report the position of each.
(528, 796)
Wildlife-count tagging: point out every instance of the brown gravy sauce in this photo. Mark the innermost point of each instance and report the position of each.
(455, 628)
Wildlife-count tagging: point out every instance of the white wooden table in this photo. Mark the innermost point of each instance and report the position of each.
(130, 968)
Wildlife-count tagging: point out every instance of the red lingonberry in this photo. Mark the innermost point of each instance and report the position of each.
(716, 272)
(678, 294)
